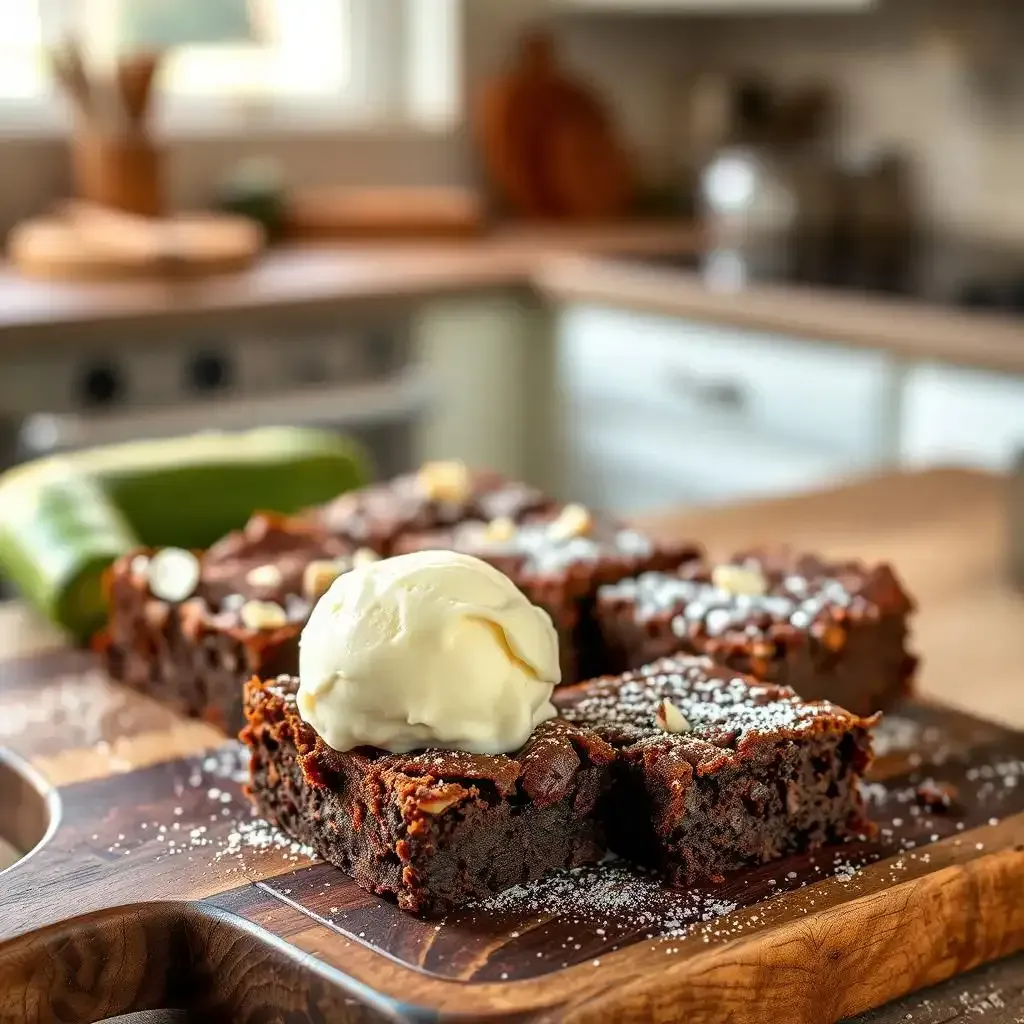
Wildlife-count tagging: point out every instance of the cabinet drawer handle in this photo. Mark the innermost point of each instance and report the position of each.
(715, 393)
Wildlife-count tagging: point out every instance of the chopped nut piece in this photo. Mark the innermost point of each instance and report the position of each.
(574, 521)
(318, 576)
(364, 556)
(445, 481)
(264, 576)
(156, 614)
(669, 718)
(438, 805)
(192, 618)
(263, 615)
(738, 580)
(173, 574)
(830, 634)
(502, 528)
(794, 798)
(936, 796)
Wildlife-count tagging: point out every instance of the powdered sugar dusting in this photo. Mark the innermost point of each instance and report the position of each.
(544, 550)
(602, 907)
(897, 734)
(570, 917)
(796, 599)
(722, 709)
(214, 823)
(259, 835)
(1002, 776)
(614, 891)
(87, 704)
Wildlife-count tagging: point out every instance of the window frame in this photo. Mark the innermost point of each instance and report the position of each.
(378, 98)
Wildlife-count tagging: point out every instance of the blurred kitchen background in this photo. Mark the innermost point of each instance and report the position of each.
(644, 253)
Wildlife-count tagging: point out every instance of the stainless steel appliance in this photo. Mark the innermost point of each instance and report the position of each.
(357, 374)
(746, 198)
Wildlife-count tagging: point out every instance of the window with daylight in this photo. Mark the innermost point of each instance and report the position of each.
(291, 61)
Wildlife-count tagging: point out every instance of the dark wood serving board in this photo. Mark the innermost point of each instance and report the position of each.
(154, 887)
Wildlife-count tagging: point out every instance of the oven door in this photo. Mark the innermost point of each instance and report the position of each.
(383, 415)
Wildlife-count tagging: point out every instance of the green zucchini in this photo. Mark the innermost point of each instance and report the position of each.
(189, 492)
(63, 519)
(56, 541)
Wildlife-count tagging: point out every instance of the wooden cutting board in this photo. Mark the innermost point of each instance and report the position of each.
(548, 143)
(154, 888)
(90, 243)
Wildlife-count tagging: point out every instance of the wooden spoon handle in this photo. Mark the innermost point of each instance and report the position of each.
(135, 79)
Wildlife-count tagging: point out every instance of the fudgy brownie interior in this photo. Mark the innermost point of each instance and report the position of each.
(716, 771)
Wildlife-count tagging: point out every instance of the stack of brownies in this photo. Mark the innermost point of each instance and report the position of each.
(701, 723)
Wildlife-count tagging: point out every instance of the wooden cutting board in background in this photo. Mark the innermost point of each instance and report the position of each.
(85, 242)
(588, 173)
(548, 143)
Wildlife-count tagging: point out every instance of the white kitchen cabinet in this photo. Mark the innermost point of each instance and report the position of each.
(689, 411)
(696, 374)
(626, 470)
(953, 416)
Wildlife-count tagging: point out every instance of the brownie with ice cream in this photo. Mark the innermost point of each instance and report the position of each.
(418, 749)
(434, 828)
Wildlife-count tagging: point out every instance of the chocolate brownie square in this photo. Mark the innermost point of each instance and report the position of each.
(434, 828)
(830, 630)
(192, 647)
(559, 562)
(717, 771)
(439, 495)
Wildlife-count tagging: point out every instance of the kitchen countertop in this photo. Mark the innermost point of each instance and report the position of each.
(307, 275)
(942, 529)
(910, 329)
(561, 263)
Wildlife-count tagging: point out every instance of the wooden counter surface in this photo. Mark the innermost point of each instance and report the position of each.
(344, 272)
(913, 330)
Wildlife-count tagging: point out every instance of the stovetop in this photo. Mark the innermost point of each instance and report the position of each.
(963, 274)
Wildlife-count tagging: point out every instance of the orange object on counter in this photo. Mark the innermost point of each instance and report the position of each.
(549, 144)
(339, 213)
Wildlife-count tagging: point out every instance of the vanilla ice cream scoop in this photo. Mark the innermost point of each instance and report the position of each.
(432, 649)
